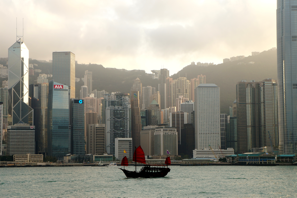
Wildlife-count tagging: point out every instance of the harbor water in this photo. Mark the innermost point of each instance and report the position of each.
(182, 181)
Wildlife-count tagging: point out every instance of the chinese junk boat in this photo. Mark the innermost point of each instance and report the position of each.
(148, 170)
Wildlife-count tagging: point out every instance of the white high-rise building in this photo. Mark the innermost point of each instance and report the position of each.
(64, 70)
(18, 83)
(207, 116)
(88, 81)
(165, 141)
(287, 72)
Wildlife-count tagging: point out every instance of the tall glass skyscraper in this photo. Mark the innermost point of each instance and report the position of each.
(40, 105)
(64, 70)
(18, 83)
(287, 72)
(77, 126)
(59, 132)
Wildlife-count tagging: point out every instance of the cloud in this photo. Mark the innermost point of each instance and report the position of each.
(141, 34)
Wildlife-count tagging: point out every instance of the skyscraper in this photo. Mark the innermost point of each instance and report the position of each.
(269, 108)
(164, 74)
(286, 72)
(96, 139)
(40, 105)
(135, 118)
(248, 115)
(64, 70)
(88, 81)
(147, 93)
(137, 86)
(59, 133)
(223, 128)
(165, 140)
(207, 116)
(18, 83)
(118, 119)
(77, 123)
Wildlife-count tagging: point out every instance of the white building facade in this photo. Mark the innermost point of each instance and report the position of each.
(207, 116)
(165, 139)
(123, 147)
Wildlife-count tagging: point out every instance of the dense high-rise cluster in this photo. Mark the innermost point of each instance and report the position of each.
(177, 116)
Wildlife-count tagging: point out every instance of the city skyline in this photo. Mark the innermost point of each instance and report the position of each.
(158, 40)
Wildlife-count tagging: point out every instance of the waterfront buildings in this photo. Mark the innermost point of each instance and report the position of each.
(96, 139)
(231, 134)
(177, 120)
(257, 116)
(117, 119)
(64, 70)
(27, 158)
(59, 132)
(123, 147)
(40, 106)
(207, 116)
(165, 141)
(77, 123)
(20, 139)
(147, 139)
(212, 153)
(286, 72)
(187, 140)
(269, 114)
(223, 128)
(248, 120)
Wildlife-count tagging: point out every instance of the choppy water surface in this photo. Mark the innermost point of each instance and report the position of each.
(198, 181)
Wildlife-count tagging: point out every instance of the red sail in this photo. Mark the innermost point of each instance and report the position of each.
(168, 161)
(138, 155)
(124, 161)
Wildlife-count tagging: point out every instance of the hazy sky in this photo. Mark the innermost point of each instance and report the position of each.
(140, 34)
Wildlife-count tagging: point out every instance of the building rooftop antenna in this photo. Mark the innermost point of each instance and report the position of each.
(18, 37)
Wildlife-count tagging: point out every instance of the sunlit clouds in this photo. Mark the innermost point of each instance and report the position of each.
(141, 34)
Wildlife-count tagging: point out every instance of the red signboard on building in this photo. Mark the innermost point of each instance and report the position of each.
(58, 87)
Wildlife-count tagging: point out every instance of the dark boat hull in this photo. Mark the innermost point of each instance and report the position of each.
(147, 173)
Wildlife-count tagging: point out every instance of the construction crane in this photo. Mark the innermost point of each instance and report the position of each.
(213, 152)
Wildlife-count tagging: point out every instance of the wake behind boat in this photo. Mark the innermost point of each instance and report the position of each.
(148, 170)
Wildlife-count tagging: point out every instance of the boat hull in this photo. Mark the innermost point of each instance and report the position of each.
(147, 173)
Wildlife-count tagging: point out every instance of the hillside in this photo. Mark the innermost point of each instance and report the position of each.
(225, 75)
